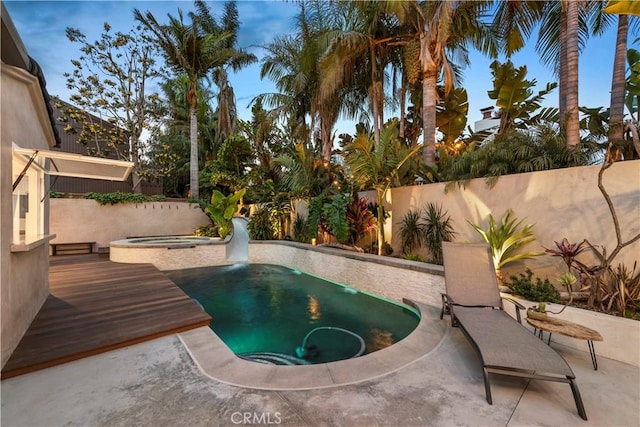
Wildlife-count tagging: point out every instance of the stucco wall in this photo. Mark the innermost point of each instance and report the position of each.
(24, 279)
(561, 203)
(83, 220)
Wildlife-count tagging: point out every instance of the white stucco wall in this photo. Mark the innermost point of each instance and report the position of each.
(24, 276)
(561, 203)
(84, 220)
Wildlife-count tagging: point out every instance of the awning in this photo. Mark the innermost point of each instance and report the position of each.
(76, 165)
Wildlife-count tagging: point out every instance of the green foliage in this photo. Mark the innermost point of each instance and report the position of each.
(540, 291)
(540, 148)
(222, 208)
(206, 231)
(359, 218)
(514, 95)
(436, 228)
(261, 225)
(334, 214)
(379, 166)
(101, 84)
(451, 115)
(413, 257)
(119, 197)
(632, 85)
(55, 195)
(411, 231)
(507, 238)
(301, 229)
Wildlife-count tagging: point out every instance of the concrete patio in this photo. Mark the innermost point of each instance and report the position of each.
(156, 383)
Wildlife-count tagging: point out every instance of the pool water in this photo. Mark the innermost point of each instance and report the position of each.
(264, 312)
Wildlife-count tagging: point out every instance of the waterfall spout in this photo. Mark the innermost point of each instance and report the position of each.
(237, 249)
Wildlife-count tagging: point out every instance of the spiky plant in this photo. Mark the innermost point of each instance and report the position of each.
(506, 239)
(437, 228)
(411, 231)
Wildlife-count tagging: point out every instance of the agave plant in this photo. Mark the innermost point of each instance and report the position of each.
(506, 239)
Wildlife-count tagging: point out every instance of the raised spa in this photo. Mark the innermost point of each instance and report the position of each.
(277, 315)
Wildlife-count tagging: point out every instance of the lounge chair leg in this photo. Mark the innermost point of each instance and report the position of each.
(578, 399)
(487, 386)
(592, 351)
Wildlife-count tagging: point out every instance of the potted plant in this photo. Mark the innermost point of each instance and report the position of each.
(538, 312)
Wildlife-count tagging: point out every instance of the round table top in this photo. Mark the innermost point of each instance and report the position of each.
(564, 327)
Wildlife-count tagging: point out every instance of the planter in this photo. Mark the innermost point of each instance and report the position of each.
(538, 315)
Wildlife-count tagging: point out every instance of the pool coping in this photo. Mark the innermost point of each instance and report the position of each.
(216, 361)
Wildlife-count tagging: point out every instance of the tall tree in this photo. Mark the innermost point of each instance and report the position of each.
(358, 56)
(110, 81)
(196, 48)
(571, 119)
(444, 29)
(616, 112)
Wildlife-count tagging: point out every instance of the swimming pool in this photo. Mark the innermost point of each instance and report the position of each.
(273, 314)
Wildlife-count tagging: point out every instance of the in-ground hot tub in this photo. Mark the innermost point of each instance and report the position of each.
(167, 241)
(170, 252)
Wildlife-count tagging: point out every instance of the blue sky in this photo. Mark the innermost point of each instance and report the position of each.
(42, 28)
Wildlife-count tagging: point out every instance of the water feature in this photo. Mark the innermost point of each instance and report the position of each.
(237, 250)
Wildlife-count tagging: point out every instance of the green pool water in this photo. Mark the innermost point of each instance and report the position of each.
(264, 312)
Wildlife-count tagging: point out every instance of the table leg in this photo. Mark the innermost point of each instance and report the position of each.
(549, 340)
(592, 352)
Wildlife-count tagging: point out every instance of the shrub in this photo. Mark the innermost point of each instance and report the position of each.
(119, 197)
(541, 291)
(413, 257)
(436, 228)
(359, 218)
(411, 231)
(206, 231)
(301, 229)
(261, 225)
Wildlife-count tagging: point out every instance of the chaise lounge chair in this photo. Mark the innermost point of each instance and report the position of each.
(504, 346)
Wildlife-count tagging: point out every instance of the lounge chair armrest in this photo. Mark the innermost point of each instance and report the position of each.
(516, 304)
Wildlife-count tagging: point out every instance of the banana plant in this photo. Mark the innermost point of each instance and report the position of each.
(514, 95)
(506, 239)
(451, 115)
(222, 209)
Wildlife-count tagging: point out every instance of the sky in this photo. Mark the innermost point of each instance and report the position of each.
(42, 25)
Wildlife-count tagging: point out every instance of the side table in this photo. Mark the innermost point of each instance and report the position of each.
(570, 329)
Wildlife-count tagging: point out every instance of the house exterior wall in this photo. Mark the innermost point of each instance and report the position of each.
(24, 283)
(561, 203)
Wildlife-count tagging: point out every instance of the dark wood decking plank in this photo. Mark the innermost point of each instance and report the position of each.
(96, 306)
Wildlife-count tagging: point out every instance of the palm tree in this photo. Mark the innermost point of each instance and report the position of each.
(444, 28)
(378, 166)
(195, 49)
(284, 63)
(616, 114)
(571, 119)
(358, 56)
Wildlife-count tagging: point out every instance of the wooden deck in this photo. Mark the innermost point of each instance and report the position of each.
(96, 306)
